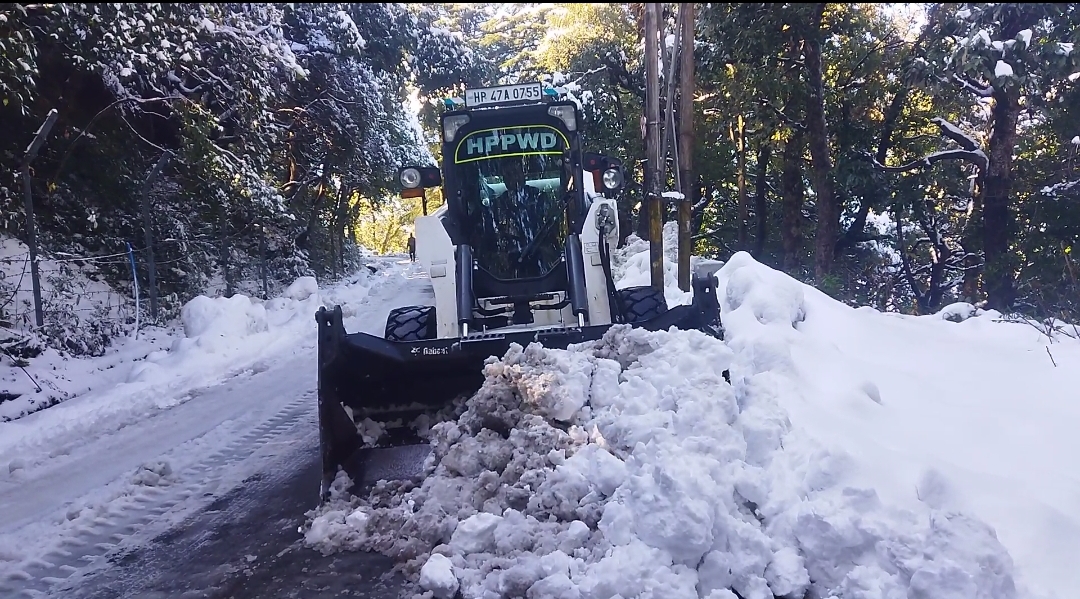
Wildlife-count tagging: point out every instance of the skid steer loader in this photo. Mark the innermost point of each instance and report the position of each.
(519, 253)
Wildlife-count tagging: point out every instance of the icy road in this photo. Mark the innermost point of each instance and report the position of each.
(170, 492)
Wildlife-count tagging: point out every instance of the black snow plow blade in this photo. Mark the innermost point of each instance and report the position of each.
(363, 376)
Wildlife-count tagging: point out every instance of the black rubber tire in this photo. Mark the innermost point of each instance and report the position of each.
(642, 303)
(410, 323)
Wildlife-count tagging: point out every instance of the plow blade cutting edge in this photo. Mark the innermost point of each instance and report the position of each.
(365, 376)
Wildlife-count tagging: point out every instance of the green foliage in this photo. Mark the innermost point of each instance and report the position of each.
(288, 121)
(274, 116)
(885, 80)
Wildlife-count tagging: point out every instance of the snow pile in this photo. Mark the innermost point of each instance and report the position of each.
(629, 467)
(235, 316)
(301, 289)
(630, 265)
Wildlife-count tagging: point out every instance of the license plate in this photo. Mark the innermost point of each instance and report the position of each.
(486, 96)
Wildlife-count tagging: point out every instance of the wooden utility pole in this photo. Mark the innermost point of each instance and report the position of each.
(686, 139)
(653, 152)
(669, 141)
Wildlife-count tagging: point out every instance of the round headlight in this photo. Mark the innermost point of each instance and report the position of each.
(613, 179)
(410, 178)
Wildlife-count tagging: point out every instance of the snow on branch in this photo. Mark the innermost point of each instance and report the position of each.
(956, 134)
(970, 151)
(977, 158)
(983, 91)
(1063, 187)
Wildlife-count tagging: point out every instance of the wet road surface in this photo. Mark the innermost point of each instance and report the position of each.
(246, 545)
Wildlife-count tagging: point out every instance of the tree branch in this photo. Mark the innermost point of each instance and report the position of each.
(979, 90)
(977, 158)
(956, 134)
(780, 113)
(86, 128)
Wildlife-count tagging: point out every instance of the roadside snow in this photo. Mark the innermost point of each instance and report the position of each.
(82, 313)
(854, 454)
(630, 265)
(216, 337)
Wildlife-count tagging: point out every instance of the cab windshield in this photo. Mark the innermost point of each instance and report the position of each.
(514, 184)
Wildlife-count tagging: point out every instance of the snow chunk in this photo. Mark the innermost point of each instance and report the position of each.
(1064, 48)
(476, 533)
(437, 576)
(786, 574)
(673, 195)
(301, 289)
(1024, 36)
(1076, 141)
(152, 474)
(958, 312)
(1003, 69)
(237, 316)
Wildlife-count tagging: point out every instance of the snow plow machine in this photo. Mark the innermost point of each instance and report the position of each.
(519, 253)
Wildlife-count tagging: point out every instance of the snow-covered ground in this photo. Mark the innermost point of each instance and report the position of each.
(81, 309)
(170, 432)
(854, 455)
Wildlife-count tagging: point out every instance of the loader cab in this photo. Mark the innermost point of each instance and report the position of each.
(513, 175)
(512, 185)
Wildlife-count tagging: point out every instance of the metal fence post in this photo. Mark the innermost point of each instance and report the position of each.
(151, 265)
(31, 231)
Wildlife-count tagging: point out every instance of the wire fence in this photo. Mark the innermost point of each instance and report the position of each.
(81, 311)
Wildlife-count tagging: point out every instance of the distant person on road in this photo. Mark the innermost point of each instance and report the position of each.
(412, 248)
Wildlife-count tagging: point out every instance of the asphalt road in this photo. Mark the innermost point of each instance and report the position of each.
(246, 545)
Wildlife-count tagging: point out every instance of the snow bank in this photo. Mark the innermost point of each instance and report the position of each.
(630, 467)
(215, 338)
(235, 316)
(301, 289)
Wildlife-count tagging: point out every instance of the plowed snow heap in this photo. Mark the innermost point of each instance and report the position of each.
(629, 467)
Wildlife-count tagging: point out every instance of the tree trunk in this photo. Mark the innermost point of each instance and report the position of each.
(792, 190)
(653, 149)
(338, 235)
(971, 243)
(685, 154)
(761, 199)
(997, 218)
(828, 209)
(305, 237)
